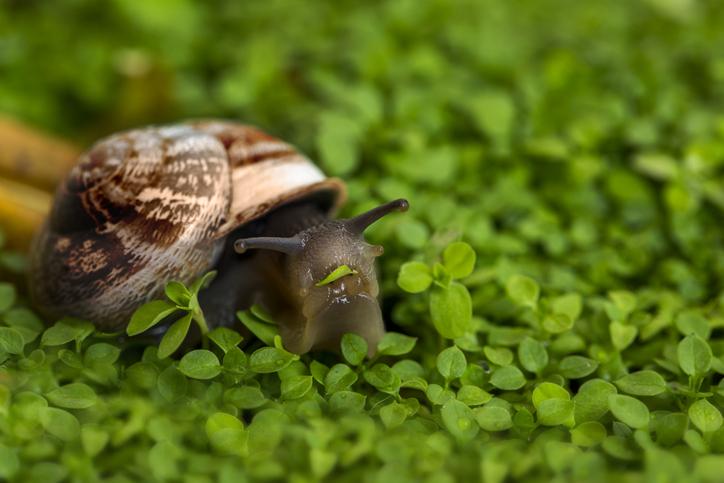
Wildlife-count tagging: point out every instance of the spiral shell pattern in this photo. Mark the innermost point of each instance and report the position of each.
(152, 205)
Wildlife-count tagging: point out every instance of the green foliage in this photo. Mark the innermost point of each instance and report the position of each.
(629, 410)
(642, 383)
(395, 344)
(451, 363)
(183, 301)
(200, 364)
(414, 277)
(451, 310)
(705, 416)
(558, 309)
(523, 290)
(694, 355)
(74, 396)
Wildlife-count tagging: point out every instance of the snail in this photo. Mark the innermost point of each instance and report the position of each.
(155, 204)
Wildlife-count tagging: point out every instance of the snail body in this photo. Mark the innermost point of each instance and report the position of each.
(151, 205)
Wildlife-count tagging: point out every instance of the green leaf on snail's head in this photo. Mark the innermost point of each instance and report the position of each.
(336, 274)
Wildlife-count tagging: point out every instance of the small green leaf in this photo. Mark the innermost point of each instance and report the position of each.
(548, 390)
(408, 369)
(532, 355)
(245, 397)
(235, 361)
(393, 415)
(94, 439)
(670, 428)
(642, 383)
(66, 330)
(493, 418)
(296, 387)
(629, 411)
(440, 275)
(70, 358)
(395, 344)
(225, 338)
(438, 395)
(174, 336)
(336, 274)
(451, 363)
(73, 396)
(508, 378)
(101, 353)
(261, 329)
(473, 395)
(60, 423)
(500, 356)
(694, 355)
(590, 433)
(347, 402)
(459, 420)
(695, 441)
(554, 412)
(354, 348)
(414, 277)
(592, 400)
(523, 290)
(142, 374)
(622, 335)
(705, 416)
(459, 259)
(163, 460)
(569, 305)
(691, 322)
(11, 341)
(577, 367)
(25, 322)
(383, 378)
(200, 364)
(319, 371)
(524, 421)
(624, 301)
(557, 323)
(149, 315)
(226, 433)
(451, 310)
(270, 359)
(178, 294)
(339, 378)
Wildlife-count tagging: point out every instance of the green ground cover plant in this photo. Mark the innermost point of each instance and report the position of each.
(554, 296)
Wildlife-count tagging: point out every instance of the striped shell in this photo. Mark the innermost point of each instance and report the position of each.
(152, 205)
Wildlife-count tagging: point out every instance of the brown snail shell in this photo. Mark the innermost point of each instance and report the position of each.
(151, 205)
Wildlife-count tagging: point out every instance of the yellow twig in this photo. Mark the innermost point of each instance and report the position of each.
(34, 158)
(22, 210)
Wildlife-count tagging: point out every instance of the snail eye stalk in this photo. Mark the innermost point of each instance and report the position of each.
(359, 223)
(278, 244)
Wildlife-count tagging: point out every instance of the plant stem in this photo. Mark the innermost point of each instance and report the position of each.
(203, 327)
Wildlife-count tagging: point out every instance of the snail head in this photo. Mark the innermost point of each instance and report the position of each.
(331, 272)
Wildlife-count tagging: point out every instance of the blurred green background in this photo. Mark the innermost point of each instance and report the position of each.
(578, 142)
(623, 73)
